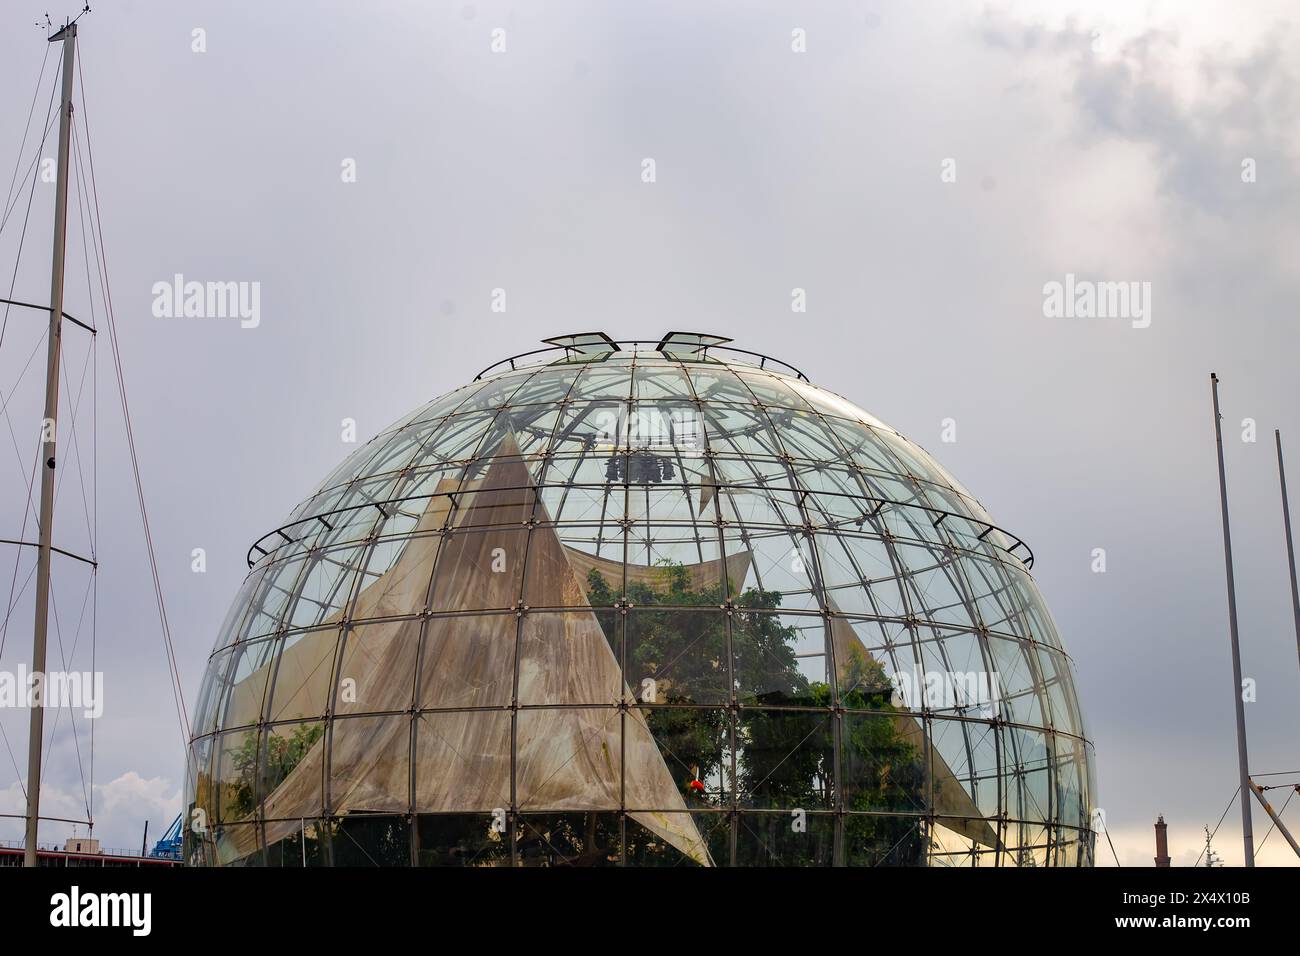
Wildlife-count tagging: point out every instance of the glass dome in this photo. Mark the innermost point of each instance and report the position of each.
(648, 605)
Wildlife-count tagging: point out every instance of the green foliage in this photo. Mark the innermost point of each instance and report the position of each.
(282, 755)
(784, 758)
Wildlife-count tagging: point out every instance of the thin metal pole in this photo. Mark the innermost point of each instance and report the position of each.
(1247, 833)
(48, 428)
(1290, 546)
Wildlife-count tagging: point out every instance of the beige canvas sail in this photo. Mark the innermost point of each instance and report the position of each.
(567, 759)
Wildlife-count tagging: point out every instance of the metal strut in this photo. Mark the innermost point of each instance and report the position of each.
(1258, 791)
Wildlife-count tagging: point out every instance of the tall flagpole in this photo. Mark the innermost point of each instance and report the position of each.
(48, 433)
(1290, 546)
(1247, 833)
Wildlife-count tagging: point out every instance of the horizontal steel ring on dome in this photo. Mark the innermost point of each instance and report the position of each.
(1018, 549)
(703, 349)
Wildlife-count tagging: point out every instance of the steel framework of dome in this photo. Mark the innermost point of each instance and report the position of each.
(639, 604)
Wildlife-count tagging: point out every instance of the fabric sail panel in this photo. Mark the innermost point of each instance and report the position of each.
(702, 575)
(303, 677)
(567, 760)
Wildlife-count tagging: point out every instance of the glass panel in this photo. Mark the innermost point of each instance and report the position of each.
(303, 681)
(546, 387)
(274, 590)
(694, 745)
(211, 691)
(370, 841)
(771, 390)
(461, 839)
(236, 845)
(793, 838)
(239, 610)
(253, 663)
(569, 839)
(786, 759)
(1071, 808)
(883, 760)
(565, 657)
(875, 665)
(1058, 685)
(605, 381)
(463, 762)
(875, 840)
(377, 670)
(370, 764)
(468, 661)
(1020, 698)
(662, 382)
(326, 586)
(475, 570)
(571, 758)
(780, 659)
(715, 385)
(307, 846)
(677, 656)
(236, 776)
(949, 846)
(771, 569)
(496, 391)
(291, 770)
(858, 574)
(200, 803)
(1032, 766)
(649, 847)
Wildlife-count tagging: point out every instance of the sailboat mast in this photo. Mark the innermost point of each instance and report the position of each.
(1243, 783)
(48, 433)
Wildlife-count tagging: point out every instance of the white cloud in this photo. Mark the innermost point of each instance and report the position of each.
(121, 807)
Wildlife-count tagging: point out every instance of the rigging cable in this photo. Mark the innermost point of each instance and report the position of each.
(28, 213)
(1273, 825)
(76, 400)
(13, 179)
(102, 262)
(3, 328)
(1235, 794)
(87, 785)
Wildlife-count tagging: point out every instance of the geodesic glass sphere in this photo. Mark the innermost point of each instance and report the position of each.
(638, 605)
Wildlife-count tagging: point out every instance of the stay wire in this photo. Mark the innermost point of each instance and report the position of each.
(102, 260)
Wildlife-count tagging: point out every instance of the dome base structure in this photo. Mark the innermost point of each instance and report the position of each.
(633, 604)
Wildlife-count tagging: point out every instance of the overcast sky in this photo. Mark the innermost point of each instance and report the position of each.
(1103, 140)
